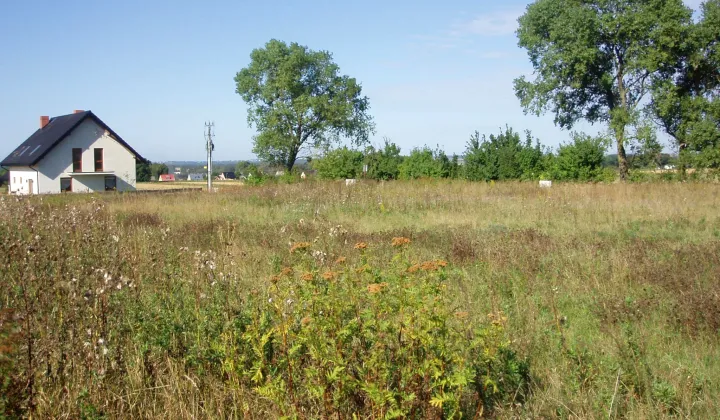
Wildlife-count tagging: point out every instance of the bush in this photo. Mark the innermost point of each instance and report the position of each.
(580, 160)
(384, 164)
(142, 171)
(425, 163)
(342, 163)
(503, 157)
(607, 175)
(360, 341)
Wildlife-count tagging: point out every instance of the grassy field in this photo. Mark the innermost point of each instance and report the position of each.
(163, 186)
(407, 299)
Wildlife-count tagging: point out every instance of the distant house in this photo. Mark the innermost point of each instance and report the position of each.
(226, 176)
(72, 153)
(178, 171)
(167, 178)
(195, 177)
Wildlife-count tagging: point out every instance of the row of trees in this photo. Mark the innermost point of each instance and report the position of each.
(503, 156)
(633, 65)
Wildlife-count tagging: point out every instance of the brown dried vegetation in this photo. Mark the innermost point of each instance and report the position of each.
(115, 306)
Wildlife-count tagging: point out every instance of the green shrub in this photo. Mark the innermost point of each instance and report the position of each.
(384, 164)
(640, 176)
(503, 157)
(580, 160)
(607, 175)
(425, 163)
(340, 163)
(357, 340)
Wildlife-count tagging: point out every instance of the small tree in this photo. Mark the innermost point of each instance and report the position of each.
(157, 169)
(455, 167)
(142, 171)
(425, 163)
(384, 164)
(502, 157)
(244, 167)
(580, 160)
(341, 163)
(299, 101)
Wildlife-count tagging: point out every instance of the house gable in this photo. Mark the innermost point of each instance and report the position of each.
(91, 141)
(45, 139)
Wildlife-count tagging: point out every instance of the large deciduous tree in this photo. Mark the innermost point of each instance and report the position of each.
(298, 101)
(686, 100)
(594, 59)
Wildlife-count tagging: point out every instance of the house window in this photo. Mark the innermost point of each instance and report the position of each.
(110, 183)
(77, 160)
(98, 160)
(65, 184)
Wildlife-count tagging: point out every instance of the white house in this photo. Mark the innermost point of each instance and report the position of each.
(195, 177)
(72, 153)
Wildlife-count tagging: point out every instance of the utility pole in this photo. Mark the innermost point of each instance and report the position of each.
(209, 146)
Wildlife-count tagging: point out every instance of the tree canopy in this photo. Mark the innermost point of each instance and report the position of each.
(298, 101)
(594, 59)
(157, 169)
(686, 100)
(142, 171)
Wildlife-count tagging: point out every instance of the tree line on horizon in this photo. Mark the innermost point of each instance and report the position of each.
(636, 66)
(507, 155)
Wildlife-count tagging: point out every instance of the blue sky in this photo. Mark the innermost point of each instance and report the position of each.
(156, 70)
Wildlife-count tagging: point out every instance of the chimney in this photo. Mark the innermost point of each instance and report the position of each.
(44, 120)
(77, 111)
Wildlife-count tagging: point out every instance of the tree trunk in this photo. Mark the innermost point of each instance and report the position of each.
(622, 158)
(291, 160)
(620, 127)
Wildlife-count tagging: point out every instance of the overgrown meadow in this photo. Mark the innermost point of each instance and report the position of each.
(424, 299)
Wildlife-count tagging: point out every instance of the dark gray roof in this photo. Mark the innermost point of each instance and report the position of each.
(45, 139)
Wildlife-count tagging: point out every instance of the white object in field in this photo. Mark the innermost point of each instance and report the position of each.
(545, 184)
(350, 181)
(279, 173)
(303, 176)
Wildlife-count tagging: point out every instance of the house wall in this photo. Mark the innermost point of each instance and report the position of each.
(19, 176)
(87, 136)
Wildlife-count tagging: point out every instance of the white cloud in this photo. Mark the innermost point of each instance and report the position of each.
(499, 23)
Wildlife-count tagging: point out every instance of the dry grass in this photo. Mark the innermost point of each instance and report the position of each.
(162, 186)
(611, 291)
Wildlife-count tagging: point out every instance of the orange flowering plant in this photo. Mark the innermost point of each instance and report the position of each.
(362, 333)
